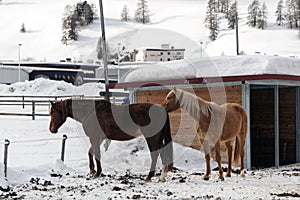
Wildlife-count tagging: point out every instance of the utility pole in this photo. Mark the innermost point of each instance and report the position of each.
(237, 32)
(104, 51)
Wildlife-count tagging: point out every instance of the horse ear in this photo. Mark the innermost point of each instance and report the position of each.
(174, 88)
(51, 102)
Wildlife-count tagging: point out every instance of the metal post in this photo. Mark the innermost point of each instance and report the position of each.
(19, 58)
(104, 50)
(6, 143)
(201, 43)
(297, 124)
(246, 105)
(276, 124)
(33, 110)
(63, 146)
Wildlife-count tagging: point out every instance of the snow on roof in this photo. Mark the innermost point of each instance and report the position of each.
(216, 67)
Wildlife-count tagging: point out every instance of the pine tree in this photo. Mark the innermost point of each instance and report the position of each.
(125, 14)
(87, 14)
(253, 12)
(142, 12)
(211, 20)
(23, 29)
(293, 13)
(80, 14)
(232, 15)
(262, 17)
(99, 49)
(280, 13)
(69, 25)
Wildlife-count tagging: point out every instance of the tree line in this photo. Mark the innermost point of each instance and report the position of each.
(287, 13)
(142, 13)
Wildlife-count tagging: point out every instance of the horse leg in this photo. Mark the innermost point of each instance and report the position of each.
(208, 169)
(154, 151)
(242, 154)
(218, 158)
(229, 156)
(91, 162)
(96, 149)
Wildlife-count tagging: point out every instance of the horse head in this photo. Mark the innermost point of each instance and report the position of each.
(58, 115)
(171, 103)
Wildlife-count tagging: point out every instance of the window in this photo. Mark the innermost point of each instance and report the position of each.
(161, 53)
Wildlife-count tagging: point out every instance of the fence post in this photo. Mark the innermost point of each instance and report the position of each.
(23, 99)
(6, 143)
(63, 146)
(33, 110)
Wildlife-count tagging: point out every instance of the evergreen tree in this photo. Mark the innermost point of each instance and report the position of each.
(80, 14)
(99, 49)
(232, 15)
(23, 29)
(125, 14)
(69, 25)
(211, 20)
(253, 13)
(142, 12)
(293, 13)
(87, 14)
(280, 13)
(262, 17)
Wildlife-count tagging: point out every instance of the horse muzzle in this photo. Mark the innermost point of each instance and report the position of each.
(52, 130)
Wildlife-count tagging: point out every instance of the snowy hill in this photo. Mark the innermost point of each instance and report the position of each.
(177, 22)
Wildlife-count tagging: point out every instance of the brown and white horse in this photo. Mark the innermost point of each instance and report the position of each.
(216, 123)
(102, 120)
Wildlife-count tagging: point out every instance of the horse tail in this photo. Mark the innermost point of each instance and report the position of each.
(236, 152)
(167, 147)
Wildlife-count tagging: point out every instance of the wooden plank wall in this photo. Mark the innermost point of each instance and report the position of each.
(183, 126)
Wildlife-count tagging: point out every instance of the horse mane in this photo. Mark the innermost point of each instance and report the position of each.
(193, 104)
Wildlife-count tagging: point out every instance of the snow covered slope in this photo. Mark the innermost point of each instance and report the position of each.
(177, 22)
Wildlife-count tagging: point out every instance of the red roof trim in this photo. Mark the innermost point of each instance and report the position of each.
(205, 80)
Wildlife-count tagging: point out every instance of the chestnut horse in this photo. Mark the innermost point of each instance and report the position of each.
(102, 120)
(215, 124)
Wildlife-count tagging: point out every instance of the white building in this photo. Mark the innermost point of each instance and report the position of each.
(165, 53)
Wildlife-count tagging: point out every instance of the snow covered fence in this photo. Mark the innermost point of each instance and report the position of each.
(7, 142)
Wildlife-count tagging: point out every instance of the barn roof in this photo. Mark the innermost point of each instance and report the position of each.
(210, 69)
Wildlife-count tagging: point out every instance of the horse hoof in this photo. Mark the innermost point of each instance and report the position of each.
(242, 175)
(228, 175)
(148, 179)
(162, 180)
(221, 179)
(206, 178)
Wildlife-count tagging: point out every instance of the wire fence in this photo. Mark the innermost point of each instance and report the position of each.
(7, 142)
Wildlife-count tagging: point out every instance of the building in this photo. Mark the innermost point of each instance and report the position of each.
(163, 54)
(267, 87)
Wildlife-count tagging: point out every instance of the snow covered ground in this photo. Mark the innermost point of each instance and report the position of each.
(36, 172)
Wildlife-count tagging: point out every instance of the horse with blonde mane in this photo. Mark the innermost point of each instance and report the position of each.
(215, 124)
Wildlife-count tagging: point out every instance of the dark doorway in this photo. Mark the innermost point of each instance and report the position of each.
(262, 118)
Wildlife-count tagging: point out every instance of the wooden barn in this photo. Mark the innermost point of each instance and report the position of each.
(267, 87)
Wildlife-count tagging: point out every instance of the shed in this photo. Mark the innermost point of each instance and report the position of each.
(268, 87)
